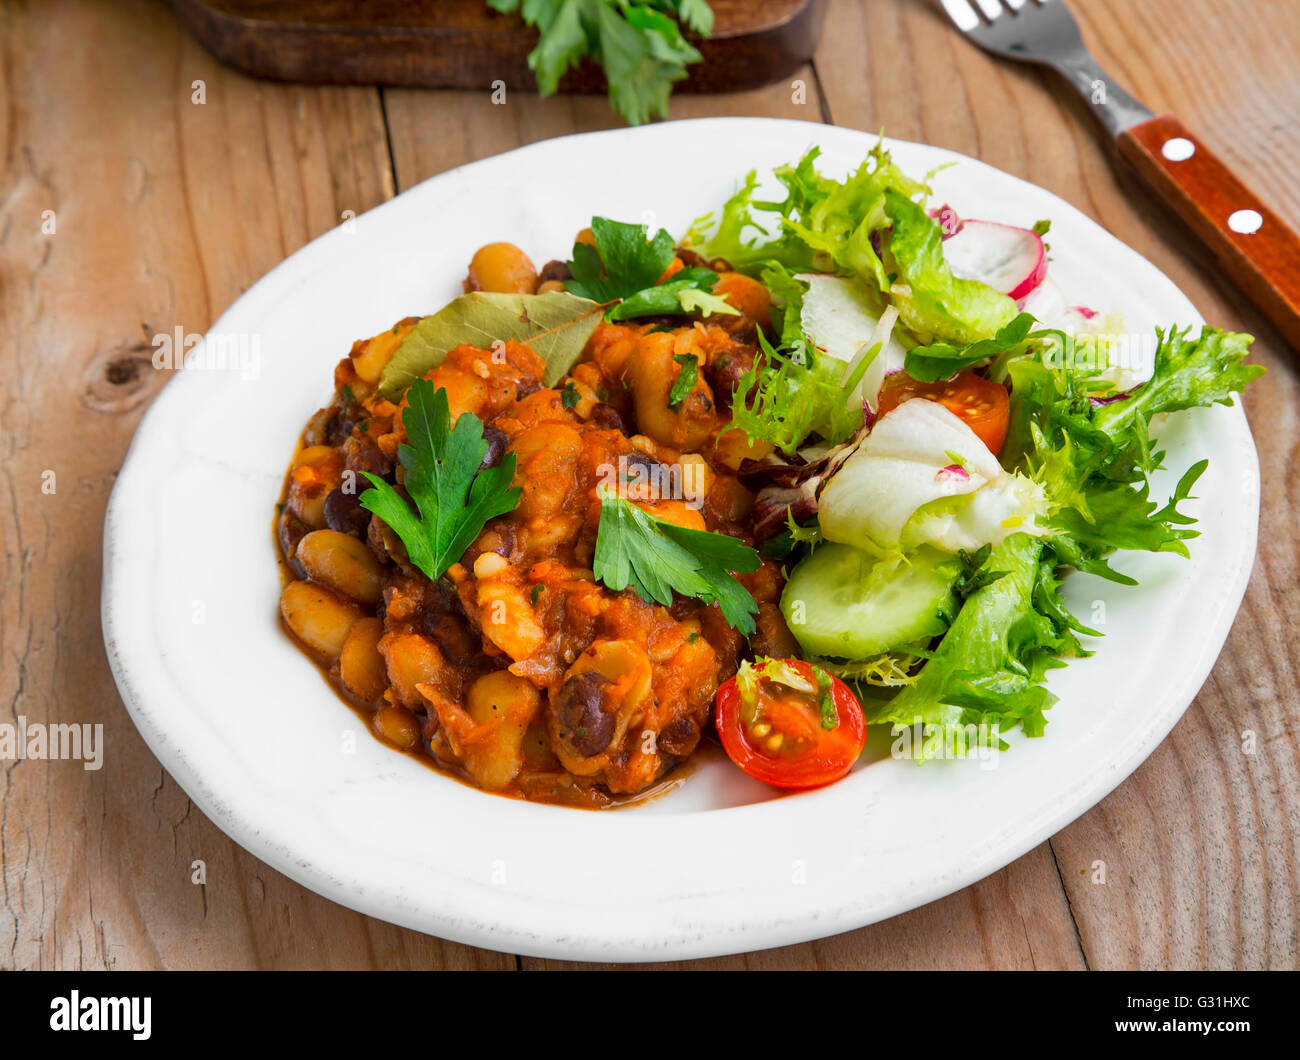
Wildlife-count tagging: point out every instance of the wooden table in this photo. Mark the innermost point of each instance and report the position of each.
(166, 210)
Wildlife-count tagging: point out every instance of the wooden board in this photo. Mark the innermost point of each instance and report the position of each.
(167, 210)
(464, 44)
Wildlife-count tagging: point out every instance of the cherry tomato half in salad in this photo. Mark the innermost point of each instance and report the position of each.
(790, 724)
(981, 403)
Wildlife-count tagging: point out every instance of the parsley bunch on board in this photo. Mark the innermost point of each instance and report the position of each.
(658, 558)
(638, 43)
(625, 266)
(453, 497)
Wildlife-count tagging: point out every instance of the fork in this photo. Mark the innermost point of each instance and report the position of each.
(1251, 243)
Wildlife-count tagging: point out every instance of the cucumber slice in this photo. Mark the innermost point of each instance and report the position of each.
(845, 603)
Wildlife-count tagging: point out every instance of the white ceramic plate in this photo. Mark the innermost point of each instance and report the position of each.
(248, 728)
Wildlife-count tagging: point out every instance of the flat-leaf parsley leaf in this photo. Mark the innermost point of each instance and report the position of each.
(638, 43)
(685, 381)
(658, 558)
(625, 268)
(453, 497)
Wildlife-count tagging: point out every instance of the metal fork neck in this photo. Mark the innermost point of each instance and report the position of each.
(1114, 107)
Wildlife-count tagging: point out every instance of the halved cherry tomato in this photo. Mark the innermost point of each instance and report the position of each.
(982, 403)
(777, 733)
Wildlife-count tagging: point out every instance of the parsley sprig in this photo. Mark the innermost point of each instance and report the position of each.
(658, 558)
(638, 43)
(624, 267)
(685, 381)
(453, 497)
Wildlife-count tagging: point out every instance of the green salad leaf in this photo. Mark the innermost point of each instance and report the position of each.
(1189, 372)
(933, 303)
(624, 267)
(940, 360)
(788, 394)
(791, 391)
(822, 225)
(989, 667)
(1093, 455)
(657, 558)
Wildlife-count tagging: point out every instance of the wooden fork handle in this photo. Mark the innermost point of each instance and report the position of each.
(1251, 243)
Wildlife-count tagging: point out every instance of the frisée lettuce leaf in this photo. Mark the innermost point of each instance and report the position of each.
(1090, 452)
(869, 226)
(792, 390)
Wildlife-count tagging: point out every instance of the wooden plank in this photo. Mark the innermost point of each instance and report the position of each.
(1200, 846)
(432, 132)
(164, 211)
(1017, 919)
(464, 44)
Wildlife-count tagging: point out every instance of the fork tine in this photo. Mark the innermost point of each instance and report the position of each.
(962, 14)
(1044, 32)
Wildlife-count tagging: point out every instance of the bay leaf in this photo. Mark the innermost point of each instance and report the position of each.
(556, 326)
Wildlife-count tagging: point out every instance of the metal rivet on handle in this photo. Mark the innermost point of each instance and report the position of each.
(1179, 149)
(1245, 221)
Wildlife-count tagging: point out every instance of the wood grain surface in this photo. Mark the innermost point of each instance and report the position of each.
(463, 44)
(167, 209)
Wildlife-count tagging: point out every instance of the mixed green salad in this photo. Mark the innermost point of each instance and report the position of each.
(925, 541)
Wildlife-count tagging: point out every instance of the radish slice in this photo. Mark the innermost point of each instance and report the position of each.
(1047, 305)
(1010, 260)
(1129, 365)
(948, 220)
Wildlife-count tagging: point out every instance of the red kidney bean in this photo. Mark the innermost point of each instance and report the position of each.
(343, 512)
(679, 737)
(496, 447)
(579, 707)
(725, 372)
(607, 418)
(554, 270)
